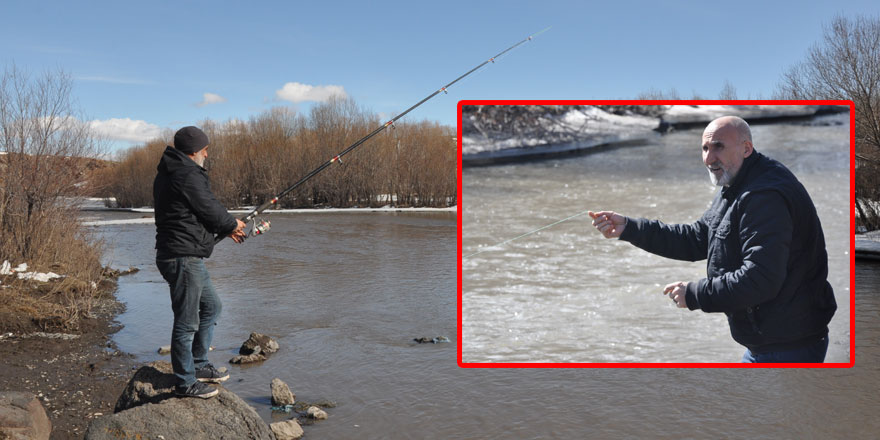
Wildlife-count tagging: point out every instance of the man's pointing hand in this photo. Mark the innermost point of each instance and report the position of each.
(609, 223)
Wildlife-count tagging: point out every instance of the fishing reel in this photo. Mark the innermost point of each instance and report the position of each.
(259, 227)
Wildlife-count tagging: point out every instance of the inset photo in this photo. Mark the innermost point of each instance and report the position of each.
(656, 233)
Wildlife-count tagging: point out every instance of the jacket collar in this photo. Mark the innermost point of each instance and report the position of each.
(742, 176)
(173, 160)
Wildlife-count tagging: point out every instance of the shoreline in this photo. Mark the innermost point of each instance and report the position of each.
(867, 246)
(75, 377)
(151, 220)
(246, 210)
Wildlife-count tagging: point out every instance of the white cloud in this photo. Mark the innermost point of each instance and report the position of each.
(211, 98)
(126, 129)
(297, 92)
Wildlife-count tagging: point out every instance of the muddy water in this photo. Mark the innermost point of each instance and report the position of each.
(344, 294)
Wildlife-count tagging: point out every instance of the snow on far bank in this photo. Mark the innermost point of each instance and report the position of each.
(127, 221)
(579, 128)
(585, 127)
(682, 114)
(141, 221)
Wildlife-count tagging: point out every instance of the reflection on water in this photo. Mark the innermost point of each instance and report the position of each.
(567, 294)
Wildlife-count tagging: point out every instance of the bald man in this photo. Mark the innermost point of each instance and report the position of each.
(767, 266)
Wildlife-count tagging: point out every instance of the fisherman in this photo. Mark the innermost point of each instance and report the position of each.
(767, 264)
(187, 217)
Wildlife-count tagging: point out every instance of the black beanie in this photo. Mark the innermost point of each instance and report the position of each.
(190, 140)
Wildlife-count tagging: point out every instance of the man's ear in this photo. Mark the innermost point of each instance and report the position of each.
(749, 148)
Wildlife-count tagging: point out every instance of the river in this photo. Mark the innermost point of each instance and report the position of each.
(344, 294)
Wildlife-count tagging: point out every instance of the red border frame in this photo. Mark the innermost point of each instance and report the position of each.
(852, 304)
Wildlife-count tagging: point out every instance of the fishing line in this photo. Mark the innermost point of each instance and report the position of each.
(526, 234)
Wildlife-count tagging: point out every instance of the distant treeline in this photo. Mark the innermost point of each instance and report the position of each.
(408, 164)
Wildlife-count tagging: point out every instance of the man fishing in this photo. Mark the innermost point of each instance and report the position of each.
(767, 265)
(187, 217)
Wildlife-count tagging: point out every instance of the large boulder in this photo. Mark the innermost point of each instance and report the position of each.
(148, 408)
(22, 417)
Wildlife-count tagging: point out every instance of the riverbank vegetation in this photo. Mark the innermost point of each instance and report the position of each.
(46, 152)
(843, 65)
(846, 65)
(407, 165)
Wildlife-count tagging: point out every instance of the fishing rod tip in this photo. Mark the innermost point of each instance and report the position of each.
(541, 32)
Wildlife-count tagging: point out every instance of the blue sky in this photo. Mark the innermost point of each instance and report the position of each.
(147, 66)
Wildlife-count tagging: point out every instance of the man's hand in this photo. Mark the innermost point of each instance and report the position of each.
(677, 292)
(609, 223)
(238, 235)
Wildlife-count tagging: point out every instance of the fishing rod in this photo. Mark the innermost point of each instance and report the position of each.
(263, 226)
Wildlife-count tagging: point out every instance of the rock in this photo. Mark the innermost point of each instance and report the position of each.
(267, 345)
(148, 408)
(316, 413)
(281, 394)
(287, 430)
(248, 359)
(152, 383)
(23, 417)
(437, 340)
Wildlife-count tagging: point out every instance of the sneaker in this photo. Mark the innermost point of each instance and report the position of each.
(197, 389)
(210, 374)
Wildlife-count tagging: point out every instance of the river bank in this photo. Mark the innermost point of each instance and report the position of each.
(76, 377)
(501, 134)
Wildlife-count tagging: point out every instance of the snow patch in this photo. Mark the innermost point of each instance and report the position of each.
(579, 128)
(19, 271)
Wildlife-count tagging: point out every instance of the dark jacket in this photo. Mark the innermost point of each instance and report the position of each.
(767, 265)
(187, 213)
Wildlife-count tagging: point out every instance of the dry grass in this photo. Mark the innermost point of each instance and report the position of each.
(47, 149)
(60, 247)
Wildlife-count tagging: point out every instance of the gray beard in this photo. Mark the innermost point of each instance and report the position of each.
(724, 180)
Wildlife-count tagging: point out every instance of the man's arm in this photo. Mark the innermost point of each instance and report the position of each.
(765, 234)
(206, 207)
(680, 242)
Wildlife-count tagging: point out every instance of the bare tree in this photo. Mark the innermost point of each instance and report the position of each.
(846, 65)
(728, 91)
(657, 94)
(46, 147)
(410, 164)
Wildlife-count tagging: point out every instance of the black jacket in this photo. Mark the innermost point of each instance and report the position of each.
(767, 265)
(187, 213)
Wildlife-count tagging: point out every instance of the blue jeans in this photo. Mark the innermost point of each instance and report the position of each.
(814, 353)
(196, 308)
